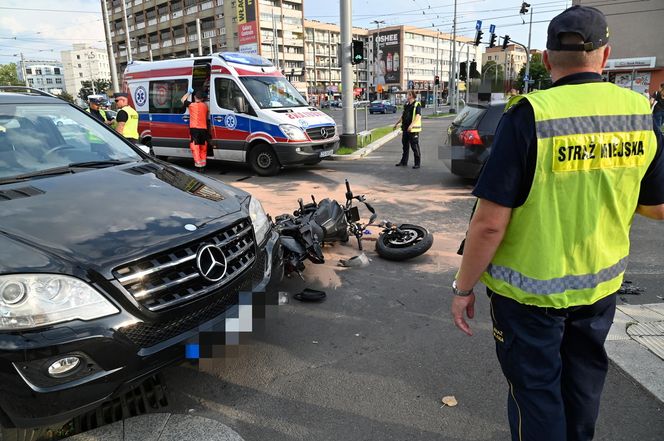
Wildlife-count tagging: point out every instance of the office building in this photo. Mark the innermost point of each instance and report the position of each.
(512, 59)
(46, 75)
(84, 63)
(637, 52)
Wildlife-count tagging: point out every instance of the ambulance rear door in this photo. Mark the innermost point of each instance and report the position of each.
(169, 125)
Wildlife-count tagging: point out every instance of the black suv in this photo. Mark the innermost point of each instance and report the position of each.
(468, 140)
(111, 263)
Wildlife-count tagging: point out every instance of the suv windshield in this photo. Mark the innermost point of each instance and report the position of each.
(273, 92)
(469, 116)
(35, 138)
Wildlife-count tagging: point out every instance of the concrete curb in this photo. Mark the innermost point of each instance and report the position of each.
(161, 427)
(634, 354)
(361, 153)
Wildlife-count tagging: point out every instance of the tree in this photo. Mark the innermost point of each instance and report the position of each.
(494, 74)
(9, 75)
(64, 95)
(101, 86)
(538, 74)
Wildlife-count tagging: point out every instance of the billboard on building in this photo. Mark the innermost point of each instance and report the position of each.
(387, 49)
(247, 27)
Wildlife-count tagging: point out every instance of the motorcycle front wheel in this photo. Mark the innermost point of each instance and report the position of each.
(414, 241)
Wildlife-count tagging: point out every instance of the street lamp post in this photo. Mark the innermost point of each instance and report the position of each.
(126, 25)
(524, 9)
(453, 92)
(376, 61)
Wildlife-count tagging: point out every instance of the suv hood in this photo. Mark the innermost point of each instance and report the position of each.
(103, 217)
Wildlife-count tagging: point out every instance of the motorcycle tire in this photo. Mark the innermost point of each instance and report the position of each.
(416, 244)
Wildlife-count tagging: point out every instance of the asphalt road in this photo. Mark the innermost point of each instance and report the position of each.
(373, 361)
(371, 121)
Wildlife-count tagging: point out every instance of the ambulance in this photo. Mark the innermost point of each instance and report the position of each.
(256, 116)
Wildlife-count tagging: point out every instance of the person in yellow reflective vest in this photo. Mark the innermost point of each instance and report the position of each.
(411, 126)
(95, 110)
(126, 118)
(549, 237)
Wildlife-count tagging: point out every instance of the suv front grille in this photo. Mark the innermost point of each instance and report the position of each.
(321, 133)
(172, 277)
(145, 334)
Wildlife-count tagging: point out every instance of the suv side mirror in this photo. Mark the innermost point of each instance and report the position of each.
(240, 104)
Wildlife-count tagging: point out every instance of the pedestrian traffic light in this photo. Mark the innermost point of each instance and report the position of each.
(357, 52)
(492, 40)
(462, 71)
(506, 41)
(524, 8)
(478, 37)
(436, 80)
(473, 69)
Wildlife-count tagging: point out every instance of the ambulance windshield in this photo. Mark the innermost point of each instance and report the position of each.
(273, 92)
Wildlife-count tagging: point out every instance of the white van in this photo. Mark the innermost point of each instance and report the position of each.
(256, 115)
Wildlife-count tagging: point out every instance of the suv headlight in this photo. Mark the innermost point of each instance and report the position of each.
(293, 133)
(259, 219)
(32, 300)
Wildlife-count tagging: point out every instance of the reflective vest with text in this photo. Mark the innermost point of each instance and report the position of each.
(568, 244)
(131, 126)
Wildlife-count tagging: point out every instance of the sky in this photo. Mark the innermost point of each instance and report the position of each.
(42, 28)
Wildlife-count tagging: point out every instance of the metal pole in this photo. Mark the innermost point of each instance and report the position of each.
(453, 73)
(468, 77)
(348, 138)
(366, 117)
(92, 79)
(274, 38)
(435, 86)
(200, 39)
(109, 47)
(210, 44)
(23, 71)
(530, 28)
(150, 53)
(126, 25)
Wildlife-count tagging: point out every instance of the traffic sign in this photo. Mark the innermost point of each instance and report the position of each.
(478, 25)
(492, 29)
(525, 78)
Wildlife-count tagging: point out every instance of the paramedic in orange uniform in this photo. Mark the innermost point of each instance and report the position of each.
(198, 127)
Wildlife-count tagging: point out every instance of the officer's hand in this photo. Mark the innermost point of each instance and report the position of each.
(190, 90)
(459, 306)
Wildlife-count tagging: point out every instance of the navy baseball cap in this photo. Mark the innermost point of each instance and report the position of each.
(117, 95)
(585, 21)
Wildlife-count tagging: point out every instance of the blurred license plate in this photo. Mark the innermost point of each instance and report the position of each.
(326, 153)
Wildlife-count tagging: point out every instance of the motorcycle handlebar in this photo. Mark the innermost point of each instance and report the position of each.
(370, 208)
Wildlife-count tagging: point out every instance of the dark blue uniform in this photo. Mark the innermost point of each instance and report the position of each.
(554, 359)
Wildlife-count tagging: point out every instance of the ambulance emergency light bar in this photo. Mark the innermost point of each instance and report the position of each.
(246, 59)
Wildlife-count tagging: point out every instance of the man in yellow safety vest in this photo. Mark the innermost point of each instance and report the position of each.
(126, 118)
(549, 238)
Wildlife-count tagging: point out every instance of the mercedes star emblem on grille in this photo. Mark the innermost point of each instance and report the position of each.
(323, 132)
(211, 263)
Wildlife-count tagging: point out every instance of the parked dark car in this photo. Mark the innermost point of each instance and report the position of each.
(468, 140)
(110, 261)
(382, 106)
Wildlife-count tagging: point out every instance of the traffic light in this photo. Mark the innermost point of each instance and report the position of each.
(506, 41)
(492, 40)
(357, 52)
(436, 80)
(524, 8)
(462, 71)
(473, 69)
(478, 37)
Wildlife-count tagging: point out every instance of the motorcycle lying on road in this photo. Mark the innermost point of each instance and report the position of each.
(310, 226)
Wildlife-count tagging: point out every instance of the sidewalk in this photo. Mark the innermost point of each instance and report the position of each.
(161, 427)
(636, 345)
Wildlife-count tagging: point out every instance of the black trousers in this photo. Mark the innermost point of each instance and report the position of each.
(555, 365)
(410, 141)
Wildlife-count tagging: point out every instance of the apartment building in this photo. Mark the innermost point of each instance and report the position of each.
(323, 74)
(637, 52)
(160, 29)
(512, 59)
(46, 75)
(84, 63)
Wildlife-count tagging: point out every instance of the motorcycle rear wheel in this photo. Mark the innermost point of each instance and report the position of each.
(415, 243)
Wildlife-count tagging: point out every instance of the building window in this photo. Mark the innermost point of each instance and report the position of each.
(78, 57)
(58, 81)
(38, 71)
(28, 71)
(79, 65)
(56, 70)
(31, 81)
(49, 80)
(80, 74)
